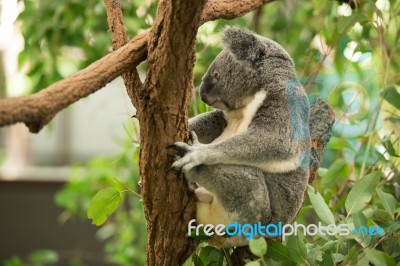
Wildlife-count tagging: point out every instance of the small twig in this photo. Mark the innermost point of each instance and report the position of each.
(228, 9)
(227, 256)
(257, 19)
(119, 38)
(115, 21)
(127, 188)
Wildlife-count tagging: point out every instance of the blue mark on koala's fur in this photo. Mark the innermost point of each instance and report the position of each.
(299, 107)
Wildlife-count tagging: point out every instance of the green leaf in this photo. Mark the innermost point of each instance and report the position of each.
(392, 226)
(211, 256)
(391, 95)
(320, 207)
(329, 245)
(388, 201)
(297, 249)
(379, 258)
(340, 143)
(258, 247)
(44, 257)
(359, 219)
(322, 171)
(394, 120)
(361, 193)
(327, 259)
(104, 203)
(197, 261)
(215, 258)
(278, 252)
(201, 236)
(381, 215)
(352, 255)
(315, 255)
(338, 168)
(338, 257)
(390, 149)
(360, 222)
(253, 263)
(14, 261)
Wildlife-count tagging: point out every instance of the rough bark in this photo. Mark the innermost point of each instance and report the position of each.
(163, 115)
(228, 9)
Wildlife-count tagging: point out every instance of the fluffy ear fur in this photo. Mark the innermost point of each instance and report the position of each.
(244, 45)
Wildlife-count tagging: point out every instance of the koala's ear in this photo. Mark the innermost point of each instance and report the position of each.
(244, 45)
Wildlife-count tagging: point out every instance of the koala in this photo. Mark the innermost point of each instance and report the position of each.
(249, 158)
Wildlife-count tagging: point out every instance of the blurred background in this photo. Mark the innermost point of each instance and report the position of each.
(346, 52)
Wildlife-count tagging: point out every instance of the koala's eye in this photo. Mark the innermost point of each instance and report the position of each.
(215, 75)
(261, 55)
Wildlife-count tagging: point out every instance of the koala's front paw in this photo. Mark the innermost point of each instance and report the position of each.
(191, 154)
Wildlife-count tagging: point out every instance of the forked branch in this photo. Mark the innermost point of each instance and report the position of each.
(38, 109)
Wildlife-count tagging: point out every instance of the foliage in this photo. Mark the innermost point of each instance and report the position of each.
(62, 37)
(101, 185)
(36, 258)
(348, 57)
(104, 203)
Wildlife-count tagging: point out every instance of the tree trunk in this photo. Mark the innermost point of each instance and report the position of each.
(163, 115)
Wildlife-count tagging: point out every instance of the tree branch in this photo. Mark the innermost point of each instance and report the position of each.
(119, 38)
(38, 109)
(227, 9)
(115, 21)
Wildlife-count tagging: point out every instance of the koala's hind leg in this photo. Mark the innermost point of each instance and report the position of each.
(238, 193)
(286, 193)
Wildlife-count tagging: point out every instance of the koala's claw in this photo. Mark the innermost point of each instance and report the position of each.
(191, 155)
(180, 147)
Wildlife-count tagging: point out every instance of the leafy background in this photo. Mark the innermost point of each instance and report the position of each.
(332, 46)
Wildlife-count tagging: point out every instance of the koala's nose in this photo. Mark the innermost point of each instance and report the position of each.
(203, 96)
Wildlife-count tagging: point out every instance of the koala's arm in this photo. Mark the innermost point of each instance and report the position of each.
(208, 126)
(267, 144)
(256, 147)
(266, 150)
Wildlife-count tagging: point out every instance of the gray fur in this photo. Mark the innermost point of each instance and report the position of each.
(279, 130)
(216, 124)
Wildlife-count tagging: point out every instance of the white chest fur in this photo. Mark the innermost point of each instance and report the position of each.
(239, 120)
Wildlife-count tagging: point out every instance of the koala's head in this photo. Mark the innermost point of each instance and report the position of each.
(245, 66)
